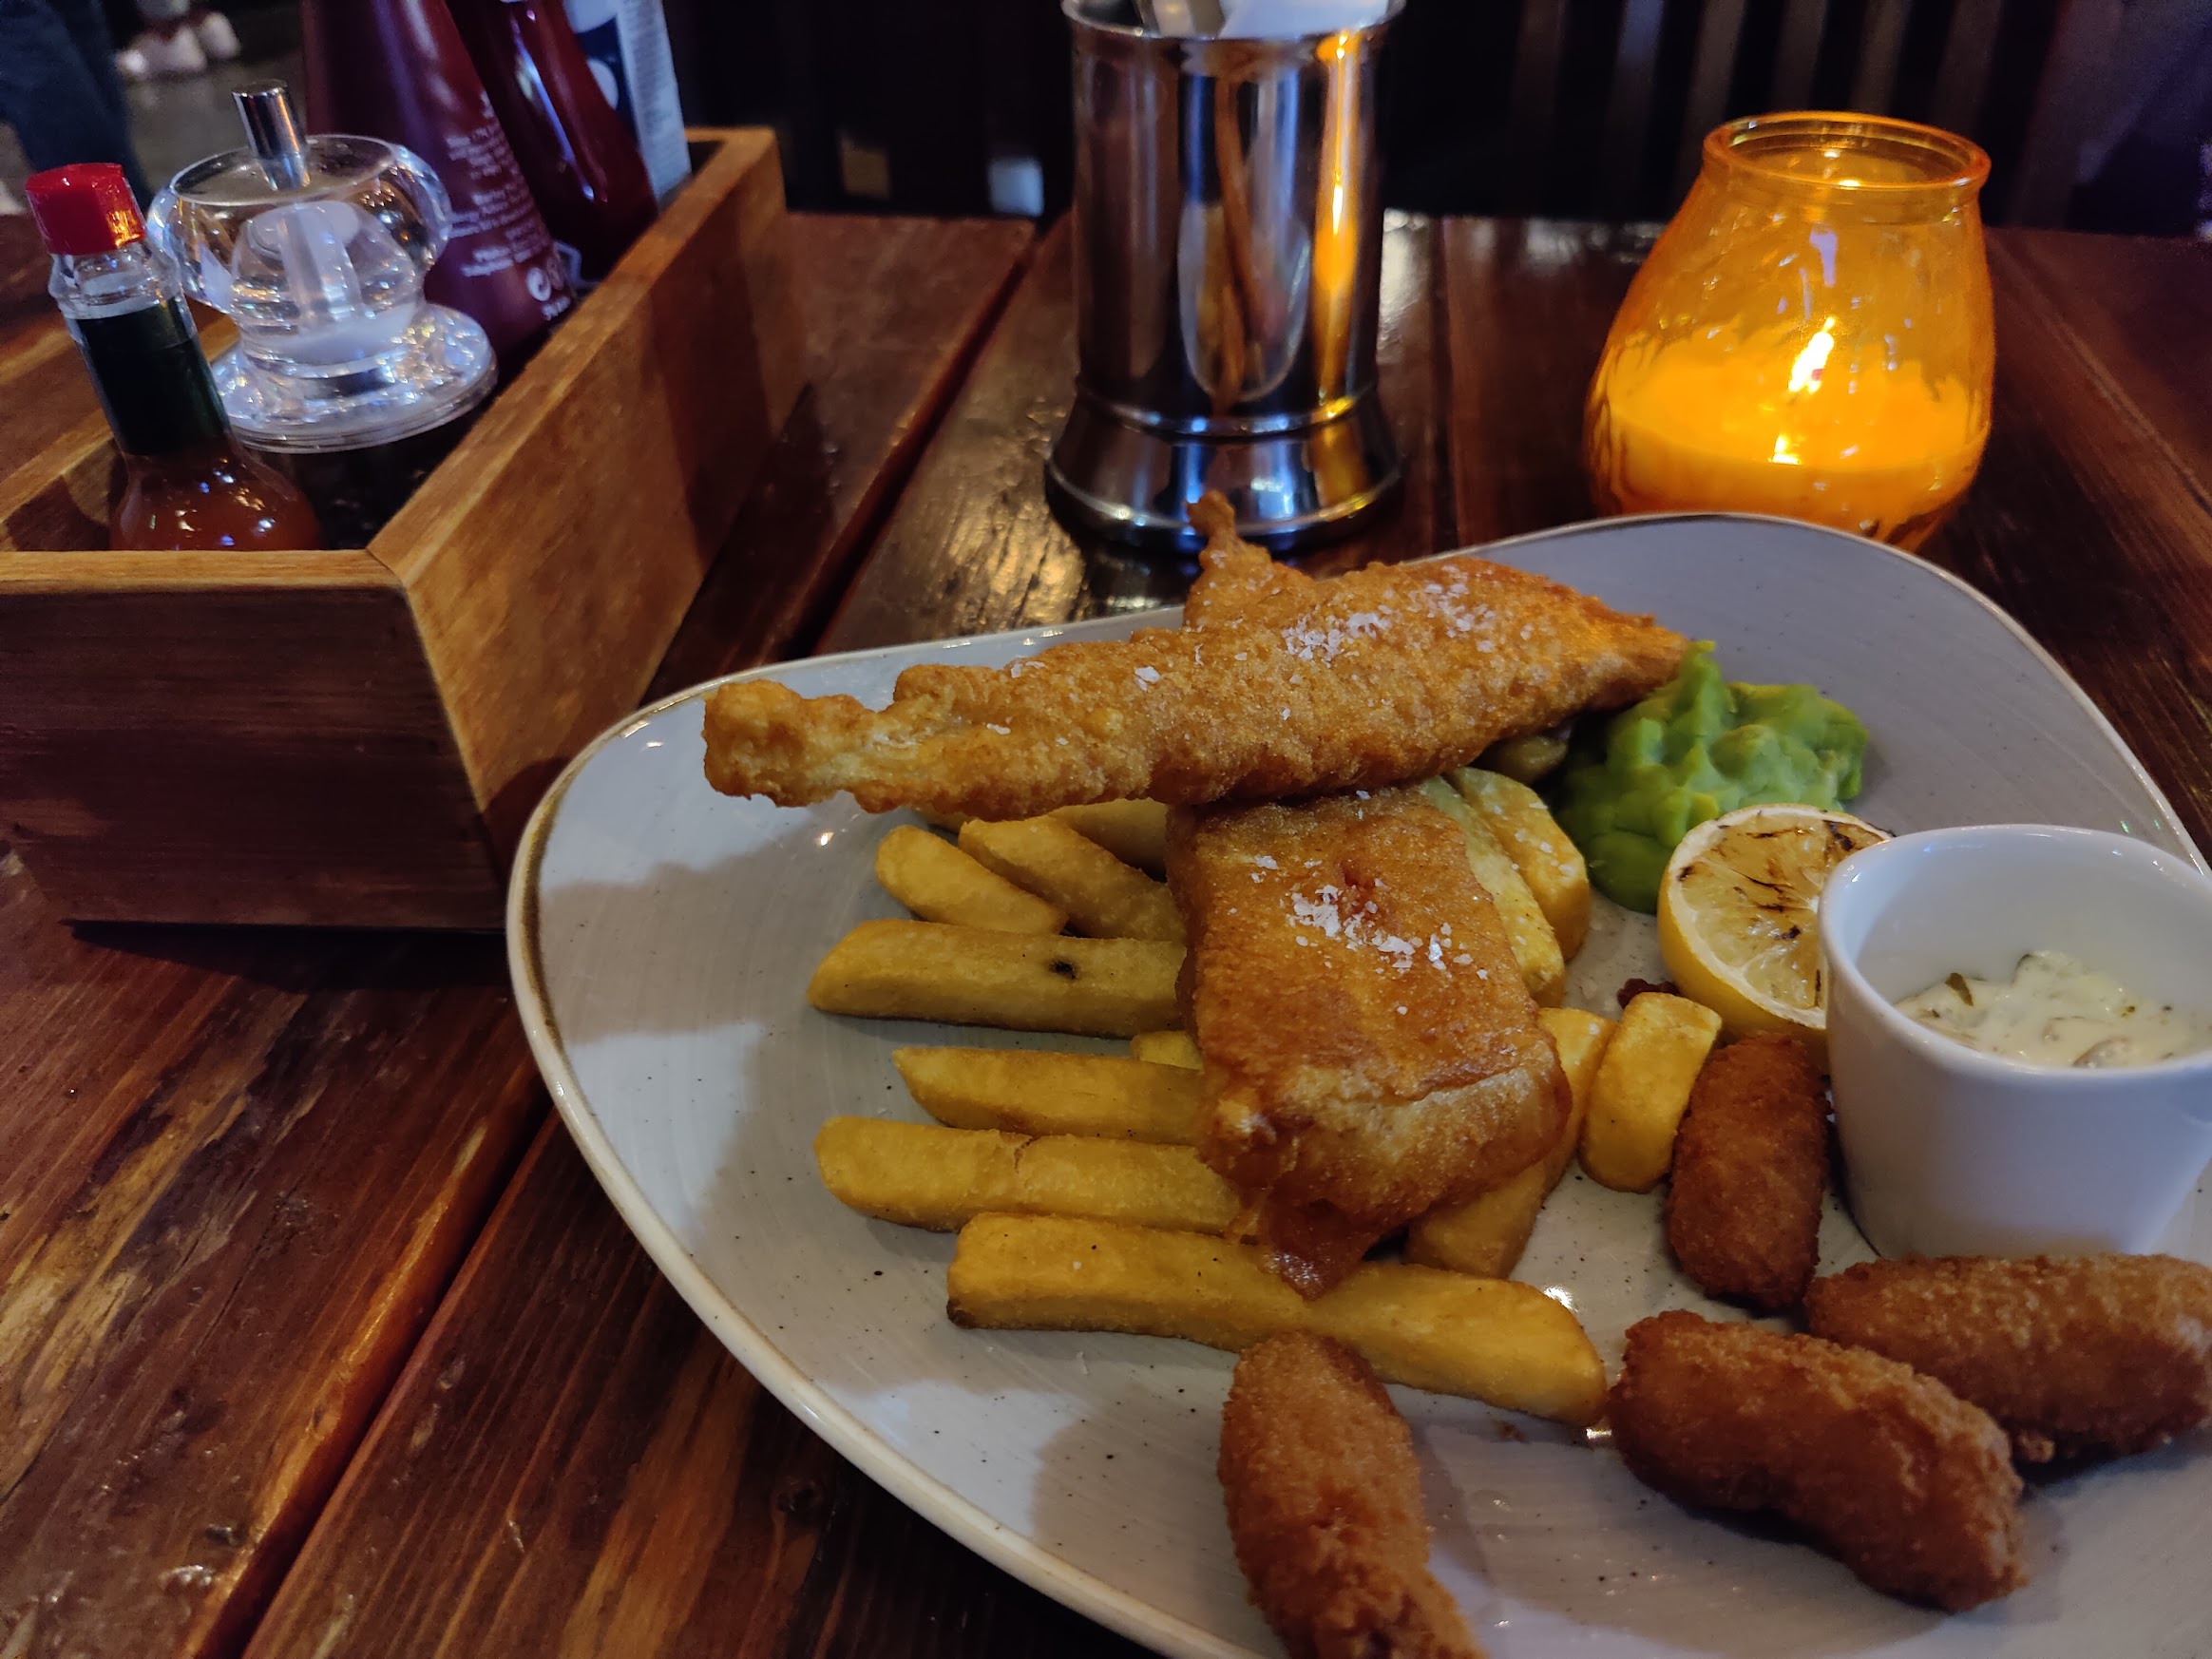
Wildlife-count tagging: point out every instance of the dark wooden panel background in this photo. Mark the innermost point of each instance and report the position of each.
(1585, 108)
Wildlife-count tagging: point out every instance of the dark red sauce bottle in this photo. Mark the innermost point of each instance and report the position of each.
(397, 70)
(583, 166)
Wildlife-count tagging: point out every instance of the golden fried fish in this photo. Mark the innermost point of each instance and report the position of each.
(1370, 1047)
(1386, 676)
(1233, 576)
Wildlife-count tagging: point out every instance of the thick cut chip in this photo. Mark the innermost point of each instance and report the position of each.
(933, 970)
(940, 883)
(1370, 1050)
(1134, 832)
(1488, 1339)
(1040, 1091)
(1643, 1089)
(1551, 863)
(1164, 1048)
(1103, 896)
(1536, 947)
(1486, 1234)
(921, 1174)
(1529, 759)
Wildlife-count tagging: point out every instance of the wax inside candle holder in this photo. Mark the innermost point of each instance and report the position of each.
(1811, 336)
(1767, 429)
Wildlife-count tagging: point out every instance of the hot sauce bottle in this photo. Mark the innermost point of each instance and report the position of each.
(188, 481)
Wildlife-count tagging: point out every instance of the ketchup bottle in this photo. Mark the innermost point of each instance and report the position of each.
(583, 166)
(396, 71)
(188, 481)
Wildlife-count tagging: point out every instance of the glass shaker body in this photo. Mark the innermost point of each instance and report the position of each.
(397, 70)
(1811, 338)
(344, 376)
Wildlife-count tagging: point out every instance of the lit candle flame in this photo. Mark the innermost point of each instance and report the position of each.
(1805, 375)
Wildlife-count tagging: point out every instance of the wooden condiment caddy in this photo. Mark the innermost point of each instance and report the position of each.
(356, 738)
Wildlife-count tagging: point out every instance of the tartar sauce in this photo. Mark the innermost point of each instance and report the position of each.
(2057, 1011)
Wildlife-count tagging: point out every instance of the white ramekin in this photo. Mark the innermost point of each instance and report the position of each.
(1948, 1151)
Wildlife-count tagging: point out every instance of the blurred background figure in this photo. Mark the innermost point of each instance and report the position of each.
(176, 38)
(2147, 167)
(173, 118)
(59, 88)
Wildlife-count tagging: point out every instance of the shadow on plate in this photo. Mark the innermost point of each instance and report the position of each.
(701, 913)
(1552, 1534)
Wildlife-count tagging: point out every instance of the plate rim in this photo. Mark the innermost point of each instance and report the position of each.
(936, 1502)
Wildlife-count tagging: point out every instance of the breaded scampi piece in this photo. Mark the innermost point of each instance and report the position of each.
(1386, 676)
(1370, 1047)
(1324, 1508)
(1909, 1485)
(2075, 1357)
(1750, 1169)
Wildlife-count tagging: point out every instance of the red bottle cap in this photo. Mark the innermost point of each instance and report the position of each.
(85, 208)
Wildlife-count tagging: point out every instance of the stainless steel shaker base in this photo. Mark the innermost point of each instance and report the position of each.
(1291, 489)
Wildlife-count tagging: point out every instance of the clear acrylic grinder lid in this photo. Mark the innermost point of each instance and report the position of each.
(316, 247)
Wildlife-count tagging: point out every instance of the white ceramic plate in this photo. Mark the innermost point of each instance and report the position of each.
(661, 936)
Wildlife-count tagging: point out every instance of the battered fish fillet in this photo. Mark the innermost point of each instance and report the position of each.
(1369, 1048)
(1750, 1169)
(2095, 1354)
(1386, 676)
(1910, 1486)
(1233, 576)
(1324, 1508)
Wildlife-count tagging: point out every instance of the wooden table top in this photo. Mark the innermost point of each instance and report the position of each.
(315, 1335)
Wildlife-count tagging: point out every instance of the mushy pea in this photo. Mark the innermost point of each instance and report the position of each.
(1698, 747)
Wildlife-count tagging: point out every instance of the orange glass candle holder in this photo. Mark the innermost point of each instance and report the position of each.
(1811, 336)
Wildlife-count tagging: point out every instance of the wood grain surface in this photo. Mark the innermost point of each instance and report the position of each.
(231, 737)
(662, 1503)
(2148, 335)
(880, 373)
(1528, 303)
(27, 318)
(241, 1169)
(2084, 523)
(551, 560)
(218, 1251)
(574, 1466)
(238, 1169)
(972, 547)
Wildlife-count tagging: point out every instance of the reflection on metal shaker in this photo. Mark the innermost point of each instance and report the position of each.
(1229, 244)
